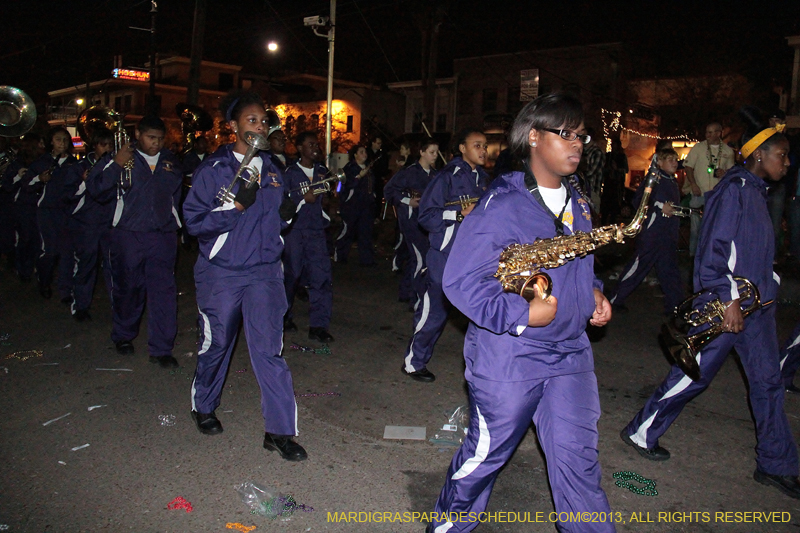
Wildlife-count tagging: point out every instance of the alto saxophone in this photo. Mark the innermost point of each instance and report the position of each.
(520, 265)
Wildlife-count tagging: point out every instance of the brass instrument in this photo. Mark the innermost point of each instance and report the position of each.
(684, 347)
(17, 112)
(464, 201)
(193, 119)
(336, 176)
(686, 212)
(256, 142)
(273, 121)
(93, 118)
(413, 193)
(520, 265)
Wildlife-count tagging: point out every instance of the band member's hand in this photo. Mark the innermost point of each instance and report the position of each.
(602, 309)
(732, 320)
(466, 211)
(45, 176)
(696, 190)
(245, 197)
(541, 312)
(414, 202)
(310, 197)
(124, 155)
(85, 174)
(668, 210)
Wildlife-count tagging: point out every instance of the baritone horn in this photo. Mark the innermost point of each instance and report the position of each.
(255, 142)
(193, 119)
(324, 185)
(17, 112)
(683, 347)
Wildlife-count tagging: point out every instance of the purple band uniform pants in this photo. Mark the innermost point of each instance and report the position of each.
(565, 410)
(757, 347)
(358, 222)
(418, 246)
(92, 242)
(225, 298)
(430, 316)
(661, 253)
(28, 240)
(143, 269)
(57, 246)
(790, 357)
(305, 255)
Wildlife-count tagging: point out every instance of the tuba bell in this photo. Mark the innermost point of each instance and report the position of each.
(683, 347)
(273, 121)
(17, 112)
(193, 119)
(93, 118)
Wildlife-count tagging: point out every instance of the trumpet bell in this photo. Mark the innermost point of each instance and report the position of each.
(17, 112)
(273, 121)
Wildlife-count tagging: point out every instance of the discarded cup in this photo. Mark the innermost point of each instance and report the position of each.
(167, 420)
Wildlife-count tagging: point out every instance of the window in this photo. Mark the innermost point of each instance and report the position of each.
(513, 104)
(349, 124)
(489, 100)
(225, 81)
(441, 122)
(465, 102)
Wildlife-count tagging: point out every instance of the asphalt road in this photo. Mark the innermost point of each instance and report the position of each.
(134, 466)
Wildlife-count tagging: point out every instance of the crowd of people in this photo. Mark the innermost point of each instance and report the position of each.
(260, 220)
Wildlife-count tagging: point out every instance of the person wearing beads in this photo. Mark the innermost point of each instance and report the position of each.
(144, 243)
(657, 246)
(529, 361)
(306, 249)
(404, 191)
(461, 180)
(47, 177)
(239, 278)
(736, 240)
(90, 225)
(357, 206)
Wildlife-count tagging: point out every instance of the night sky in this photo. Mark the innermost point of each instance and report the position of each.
(55, 45)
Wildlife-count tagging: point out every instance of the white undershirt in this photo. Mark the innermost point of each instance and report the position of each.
(555, 199)
(307, 171)
(256, 162)
(152, 160)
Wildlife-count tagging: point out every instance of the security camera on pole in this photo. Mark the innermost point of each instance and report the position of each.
(329, 23)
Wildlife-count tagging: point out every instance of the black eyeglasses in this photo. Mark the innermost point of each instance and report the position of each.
(569, 135)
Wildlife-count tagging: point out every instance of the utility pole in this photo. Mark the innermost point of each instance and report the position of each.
(153, 11)
(328, 121)
(198, 34)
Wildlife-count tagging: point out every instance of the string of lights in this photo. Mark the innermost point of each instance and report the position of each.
(616, 125)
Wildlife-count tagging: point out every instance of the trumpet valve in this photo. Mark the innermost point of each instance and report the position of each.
(225, 196)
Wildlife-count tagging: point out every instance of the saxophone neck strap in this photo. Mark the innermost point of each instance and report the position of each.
(533, 187)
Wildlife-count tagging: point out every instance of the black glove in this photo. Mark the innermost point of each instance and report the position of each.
(287, 209)
(245, 196)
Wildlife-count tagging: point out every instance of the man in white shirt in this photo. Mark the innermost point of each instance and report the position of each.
(706, 163)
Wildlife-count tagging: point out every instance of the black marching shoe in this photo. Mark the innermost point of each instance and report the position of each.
(207, 423)
(792, 388)
(125, 347)
(289, 449)
(165, 361)
(424, 375)
(289, 325)
(319, 334)
(82, 315)
(786, 484)
(654, 454)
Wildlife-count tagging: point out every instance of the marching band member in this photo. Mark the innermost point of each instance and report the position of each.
(357, 209)
(404, 191)
(736, 239)
(657, 245)
(305, 246)
(90, 225)
(47, 177)
(461, 179)
(239, 276)
(529, 361)
(144, 244)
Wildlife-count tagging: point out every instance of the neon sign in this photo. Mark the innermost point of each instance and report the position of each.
(130, 74)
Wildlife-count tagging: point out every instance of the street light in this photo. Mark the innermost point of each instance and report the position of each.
(272, 46)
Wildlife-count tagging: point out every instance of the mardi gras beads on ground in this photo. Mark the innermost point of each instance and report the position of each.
(649, 488)
(180, 503)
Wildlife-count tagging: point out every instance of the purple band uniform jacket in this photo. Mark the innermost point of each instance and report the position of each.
(499, 346)
(309, 216)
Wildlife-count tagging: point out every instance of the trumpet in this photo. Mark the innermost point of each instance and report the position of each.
(686, 212)
(324, 185)
(682, 347)
(121, 139)
(464, 201)
(256, 142)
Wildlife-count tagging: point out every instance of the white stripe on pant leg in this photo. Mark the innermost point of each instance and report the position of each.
(444, 528)
(206, 333)
(632, 270)
(640, 437)
(682, 385)
(481, 450)
(194, 391)
(419, 260)
(296, 430)
(426, 308)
